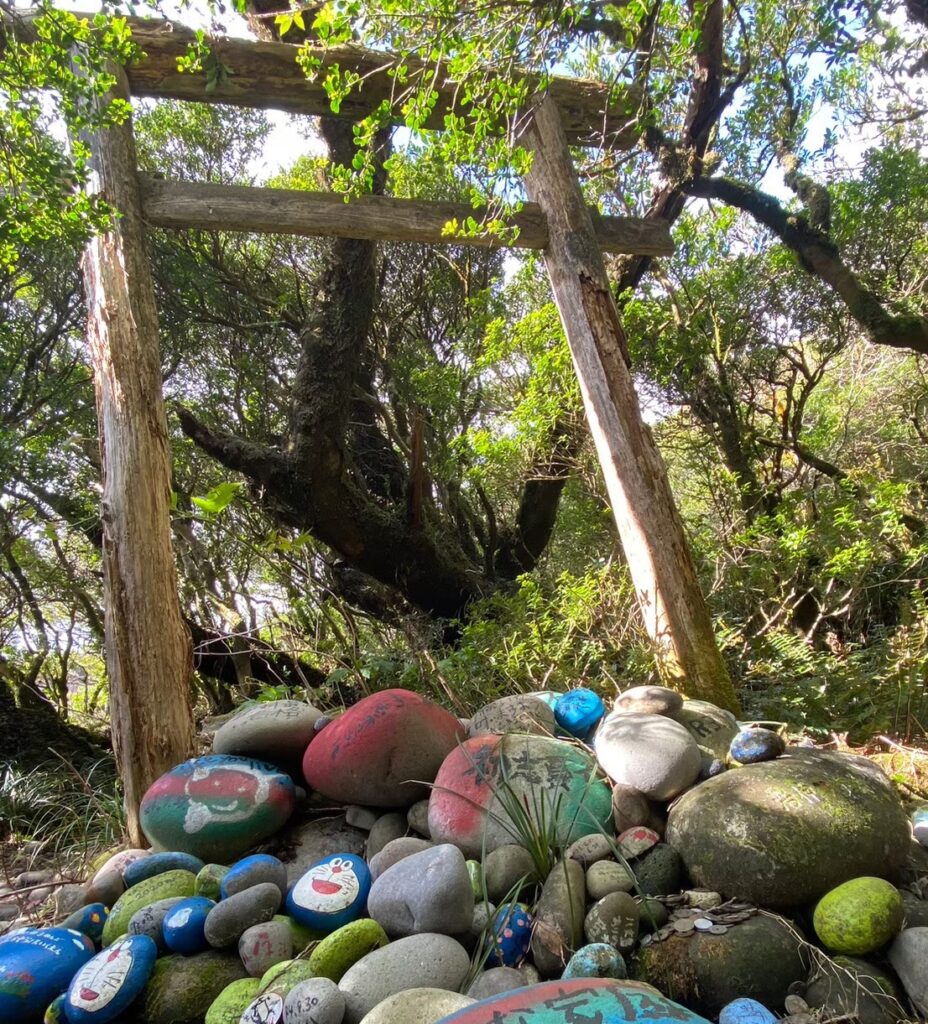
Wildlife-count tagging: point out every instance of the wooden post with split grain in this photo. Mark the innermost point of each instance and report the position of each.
(148, 650)
(675, 612)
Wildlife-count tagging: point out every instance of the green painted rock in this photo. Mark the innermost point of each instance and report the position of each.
(859, 916)
(216, 807)
(558, 782)
(183, 988)
(784, 832)
(210, 879)
(345, 947)
(232, 1001)
(161, 887)
(757, 959)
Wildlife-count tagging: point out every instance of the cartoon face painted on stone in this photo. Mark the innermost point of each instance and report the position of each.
(331, 893)
(106, 985)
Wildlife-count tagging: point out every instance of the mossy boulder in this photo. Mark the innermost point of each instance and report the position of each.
(757, 959)
(784, 832)
(859, 916)
(345, 947)
(284, 976)
(182, 988)
(161, 887)
(232, 1001)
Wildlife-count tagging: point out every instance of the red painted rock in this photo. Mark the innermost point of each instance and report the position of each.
(383, 752)
(481, 778)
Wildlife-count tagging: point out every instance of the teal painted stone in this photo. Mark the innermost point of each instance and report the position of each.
(89, 920)
(571, 1001)
(560, 778)
(36, 965)
(217, 807)
(157, 864)
(111, 981)
(597, 960)
(184, 924)
(746, 1011)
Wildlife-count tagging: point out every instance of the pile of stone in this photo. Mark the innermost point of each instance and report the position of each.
(545, 862)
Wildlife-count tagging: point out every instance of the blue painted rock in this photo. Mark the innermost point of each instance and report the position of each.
(596, 960)
(36, 965)
(510, 935)
(157, 864)
(111, 981)
(184, 924)
(579, 711)
(746, 1011)
(332, 893)
(577, 999)
(382, 752)
(55, 1012)
(555, 780)
(260, 867)
(216, 807)
(751, 746)
(89, 920)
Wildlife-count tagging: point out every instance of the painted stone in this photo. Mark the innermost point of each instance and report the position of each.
(510, 935)
(614, 919)
(650, 752)
(555, 780)
(36, 965)
(107, 884)
(518, 713)
(89, 920)
(760, 958)
(260, 867)
(300, 934)
(316, 1001)
(157, 864)
(232, 1001)
(579, 711)
(858, 916)
(784, 832)
(633, 842)
(605, 876)
(648, 700)
(184, 925)
(309, 842)
(596, 960)
(182, 988)
(746, 1011)
(216, 807)
(577, 999)
(55, 1012)
(263, 945)
(711, 726)
(265, 1008)
(752, 746)
(209, 881)
(341, 950)
(382, 752)
(111, 981)
(332, 893)
(150, 920)
(161, 887)
(277, 730)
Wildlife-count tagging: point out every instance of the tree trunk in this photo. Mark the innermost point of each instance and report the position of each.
(674, 610)
(148, 653)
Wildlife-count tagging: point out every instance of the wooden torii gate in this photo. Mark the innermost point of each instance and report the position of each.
(142, 611)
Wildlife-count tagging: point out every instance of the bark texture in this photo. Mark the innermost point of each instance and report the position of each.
(148, 653)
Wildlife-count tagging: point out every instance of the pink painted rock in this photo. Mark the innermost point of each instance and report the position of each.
(383, 752)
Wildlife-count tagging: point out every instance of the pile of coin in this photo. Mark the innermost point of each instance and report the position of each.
(689, 920)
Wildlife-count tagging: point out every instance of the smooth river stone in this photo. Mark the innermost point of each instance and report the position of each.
(260, 867)
(216, 807)
(571, 1001)
(784, 832)
(383, 752)
(316, 1001)
(278, 731)
(230, 918)
(650, 752)
(542, 773)
(158, 864)
(417, 1006)
(648, 700)
(37, 965)
(152, 890)
(520, 713)
(184, 925)
(332, 893)
(111, 981)
(711, 726)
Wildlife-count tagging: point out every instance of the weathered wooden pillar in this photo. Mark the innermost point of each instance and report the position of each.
(148, 650)
(659, 559)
